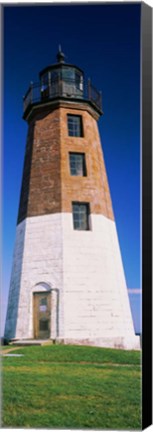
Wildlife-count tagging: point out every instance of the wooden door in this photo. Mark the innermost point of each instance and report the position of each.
(42, 314)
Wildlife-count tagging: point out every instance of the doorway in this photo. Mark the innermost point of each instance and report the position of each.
(41, 314)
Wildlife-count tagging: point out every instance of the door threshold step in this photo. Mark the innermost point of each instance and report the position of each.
(31, 342)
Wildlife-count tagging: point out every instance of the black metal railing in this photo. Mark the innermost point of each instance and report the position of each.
(38, 92)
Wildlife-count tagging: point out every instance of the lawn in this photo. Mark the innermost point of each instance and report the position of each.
(59, 386)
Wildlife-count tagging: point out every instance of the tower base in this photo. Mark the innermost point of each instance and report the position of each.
(88, 298)
(116, 342)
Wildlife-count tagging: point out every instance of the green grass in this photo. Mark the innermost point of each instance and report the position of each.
(72, 387)
(4, 347)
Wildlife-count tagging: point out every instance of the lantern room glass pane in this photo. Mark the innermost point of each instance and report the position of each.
(54, 76)
(68, 74)
(44, 78)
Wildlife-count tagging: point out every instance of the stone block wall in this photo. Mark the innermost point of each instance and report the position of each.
(40, 262)
(83, 269)
(94, 187)
(96, 302)
(47, 186)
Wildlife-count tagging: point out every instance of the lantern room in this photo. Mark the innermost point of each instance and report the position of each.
(61, 79)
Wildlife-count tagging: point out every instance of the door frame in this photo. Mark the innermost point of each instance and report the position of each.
(55, 308)
(35, 318)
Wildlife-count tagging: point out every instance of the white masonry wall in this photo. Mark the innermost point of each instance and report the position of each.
(96, 303)
(84, 268)
(37, 260)
(14, 291)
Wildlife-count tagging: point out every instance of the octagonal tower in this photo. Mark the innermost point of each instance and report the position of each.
(67, 280)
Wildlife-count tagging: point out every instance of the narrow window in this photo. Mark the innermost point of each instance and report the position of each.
(43, 325)
(80, 216)
(75, 126)
(43, 301)
(77, 164)
(43, 304)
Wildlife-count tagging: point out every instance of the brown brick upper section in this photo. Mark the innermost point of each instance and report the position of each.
(41, 185)
(94, 187)
(47, 185)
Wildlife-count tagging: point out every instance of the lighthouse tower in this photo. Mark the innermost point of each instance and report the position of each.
(67, 281)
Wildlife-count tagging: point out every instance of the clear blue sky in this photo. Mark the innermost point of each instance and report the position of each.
(104, 41)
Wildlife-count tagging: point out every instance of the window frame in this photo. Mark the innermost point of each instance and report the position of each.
(43, 301)
(84, 168)
(43, 324)
(73, 127)
(87, 206)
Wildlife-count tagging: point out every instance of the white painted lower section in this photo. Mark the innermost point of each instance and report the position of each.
(96, 302)
(37, 259)
(110, 342)
(85, 272)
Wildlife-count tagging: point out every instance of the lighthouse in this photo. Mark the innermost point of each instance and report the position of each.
(67, 282)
